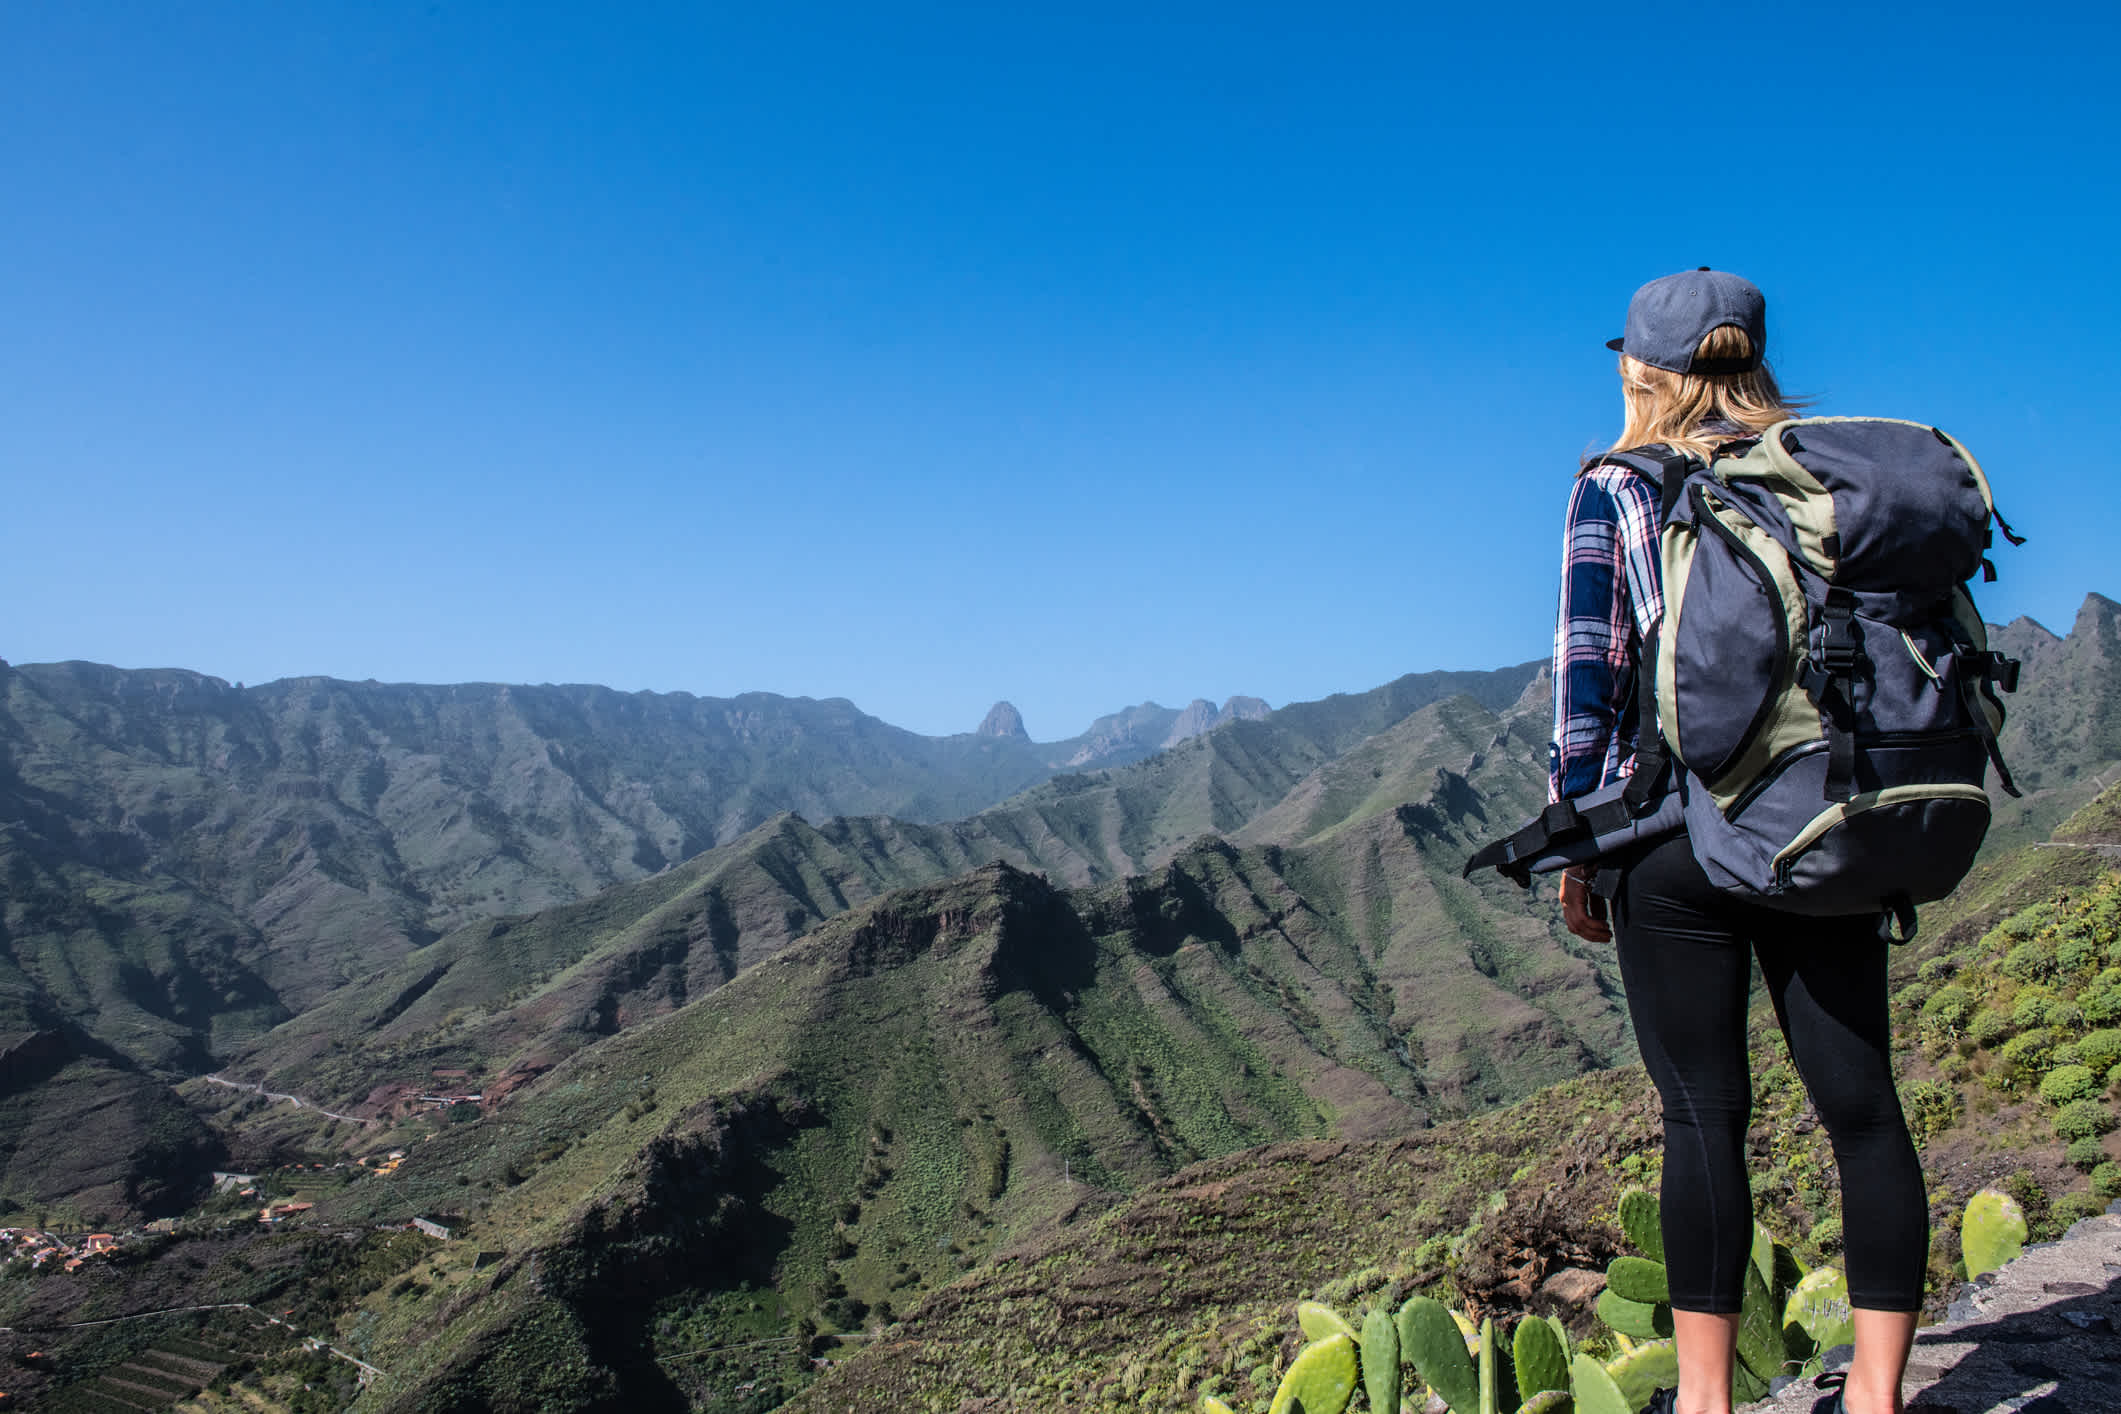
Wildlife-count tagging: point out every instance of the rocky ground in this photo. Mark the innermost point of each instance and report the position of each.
(2042, 1335)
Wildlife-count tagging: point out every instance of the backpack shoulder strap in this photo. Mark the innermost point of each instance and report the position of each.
(1657, 464)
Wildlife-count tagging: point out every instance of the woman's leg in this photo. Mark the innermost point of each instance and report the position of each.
(1828, 981)
(1686, 973)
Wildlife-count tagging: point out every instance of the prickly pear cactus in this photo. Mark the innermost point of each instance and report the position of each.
(1318, 1321)
(1540, 1358)
(1648, 1368)
(1991, 1232)
(1637, 1279)
(1321, 1379)
(1640, 1221)
(1760, 1329)
(1594, 1390)
(1498, 1381)
(1381, 1378)
(1819, 1306)
(1209, 1404)
(1430, 1338)
(1554, 1401)
(1634, 1318)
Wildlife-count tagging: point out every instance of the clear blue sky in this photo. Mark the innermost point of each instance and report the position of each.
(932, 355)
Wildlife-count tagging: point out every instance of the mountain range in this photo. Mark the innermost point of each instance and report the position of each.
(777, 1031)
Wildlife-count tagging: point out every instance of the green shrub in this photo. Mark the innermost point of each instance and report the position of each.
(2031, 1008)
(2030, 961)
(2077, 953)
(2082, 1118)
(2064, 1015)
(1936, 970)
(2086, 1154)
(2075, 1207)
(2106, 1180)
(1930, 1108)
(2101, 1049)
(1912, 996)
(1826, 1234)
(1990, 1028)
(2026, 1054)
(1947, 1011)
(2101, 1002)
(2066, 1083)
(2113, 1078)
(2065, 1054)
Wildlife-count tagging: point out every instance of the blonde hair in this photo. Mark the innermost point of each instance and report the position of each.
(1668, 407)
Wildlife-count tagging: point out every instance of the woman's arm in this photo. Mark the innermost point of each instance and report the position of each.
(1609, 595)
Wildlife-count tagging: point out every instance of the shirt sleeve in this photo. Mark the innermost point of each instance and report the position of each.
(1611, 595)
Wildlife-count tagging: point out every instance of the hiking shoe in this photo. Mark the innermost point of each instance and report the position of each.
(1665, 1401)
(1831, 1402)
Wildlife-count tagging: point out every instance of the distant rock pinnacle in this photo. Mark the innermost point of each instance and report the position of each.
(1004, 720)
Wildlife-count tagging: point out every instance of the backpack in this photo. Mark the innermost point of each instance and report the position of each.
(1819, 704)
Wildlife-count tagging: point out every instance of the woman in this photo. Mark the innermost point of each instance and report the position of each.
(1693, 378)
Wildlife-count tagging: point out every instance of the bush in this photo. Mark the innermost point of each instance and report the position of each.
(1947, 1012)
(2075, 1207)
(1826, 1234)
(2030, 961)
(2031, 1008)
(2065, 1054)
(2064, 1015)
(2101, 1002)
(2106, 1180)
(2066, 1083)
(2026, 1054)
(2086, 1154)
(2077, 953)
(1912, 996)
(2081, 1119)
(1936, 970)
(1990, 1028)
(2101, 1049)
(1930, 1108)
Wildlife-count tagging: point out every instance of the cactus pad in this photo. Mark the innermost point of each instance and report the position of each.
(1639, 1220)
(1553, 1401)
(1594, 1390)
(1991, 1232)
(1634, 1318)
(1321, 1380)
(1317, 1321)
(1648, 1368)
(1760, 1329)
(1542, 1361)
(1380, 1362)
(1638, 1279)
(1820, 1306)
(1429, 1336)
(1209, 1404)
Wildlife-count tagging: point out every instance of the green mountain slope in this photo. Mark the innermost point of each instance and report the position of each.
(950, 1069)
(507, 998)
(236, 854)
(1187, 1287)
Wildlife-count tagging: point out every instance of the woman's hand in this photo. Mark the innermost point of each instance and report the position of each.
(1583, 911)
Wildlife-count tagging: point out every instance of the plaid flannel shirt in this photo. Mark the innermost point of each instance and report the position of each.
(1612, 595)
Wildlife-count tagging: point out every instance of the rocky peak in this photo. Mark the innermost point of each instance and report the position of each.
(1003, 720)
(1245, 709)
(1200, 715)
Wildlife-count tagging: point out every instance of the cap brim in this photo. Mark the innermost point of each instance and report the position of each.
(1614, 344)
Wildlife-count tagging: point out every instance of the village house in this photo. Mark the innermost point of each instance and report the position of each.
(275, 1212)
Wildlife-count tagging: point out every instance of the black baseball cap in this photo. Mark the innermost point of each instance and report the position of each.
(1668, 319)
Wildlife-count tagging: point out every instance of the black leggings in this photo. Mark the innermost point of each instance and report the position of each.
(1682, 945)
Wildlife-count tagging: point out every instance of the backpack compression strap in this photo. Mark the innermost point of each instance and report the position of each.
(1557, 825)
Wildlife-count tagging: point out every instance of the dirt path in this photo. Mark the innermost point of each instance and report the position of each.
(2042, 1335)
